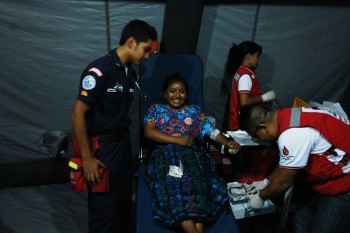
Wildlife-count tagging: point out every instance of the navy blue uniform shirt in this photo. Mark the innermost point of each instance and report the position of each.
(107, 86)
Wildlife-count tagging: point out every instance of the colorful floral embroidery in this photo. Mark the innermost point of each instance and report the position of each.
(200, 194)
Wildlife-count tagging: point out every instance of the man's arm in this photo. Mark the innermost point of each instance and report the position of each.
(90, 163)
(280, 180)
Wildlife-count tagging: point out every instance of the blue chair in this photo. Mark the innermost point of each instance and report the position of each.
(152, 74)
(154, 70)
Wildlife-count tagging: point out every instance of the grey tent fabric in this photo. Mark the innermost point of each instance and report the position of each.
(46, 44)
(305, 49)
(53, 208)
(55, 144)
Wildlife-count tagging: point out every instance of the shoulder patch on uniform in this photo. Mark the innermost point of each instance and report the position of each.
(89, 82)
(96, 71)
(84, 93)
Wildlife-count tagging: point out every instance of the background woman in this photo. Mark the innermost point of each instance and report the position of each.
(241, 63)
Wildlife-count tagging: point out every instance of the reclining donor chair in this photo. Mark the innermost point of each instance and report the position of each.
(152, 74)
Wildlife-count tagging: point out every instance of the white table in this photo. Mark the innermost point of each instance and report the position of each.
(240, 209)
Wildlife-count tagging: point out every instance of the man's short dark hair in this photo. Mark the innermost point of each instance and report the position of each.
(139, 29)
(253, 115)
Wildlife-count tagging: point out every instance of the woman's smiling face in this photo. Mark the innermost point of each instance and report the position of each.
(175, 94)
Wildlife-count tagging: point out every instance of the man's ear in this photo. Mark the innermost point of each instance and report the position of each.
(264, 127)
(130, 42)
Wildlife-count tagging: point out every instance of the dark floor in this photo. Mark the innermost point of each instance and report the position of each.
(268, 223)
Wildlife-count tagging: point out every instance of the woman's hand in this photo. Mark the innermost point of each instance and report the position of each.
(186, 141)
(233, 146)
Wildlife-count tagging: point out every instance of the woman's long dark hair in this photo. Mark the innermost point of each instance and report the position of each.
(237, 53)
(234, 59)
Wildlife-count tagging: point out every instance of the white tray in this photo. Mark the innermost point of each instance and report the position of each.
(238, 202)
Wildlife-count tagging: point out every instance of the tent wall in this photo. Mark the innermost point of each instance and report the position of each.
(305, 50)
(46, 44)
(181, 26)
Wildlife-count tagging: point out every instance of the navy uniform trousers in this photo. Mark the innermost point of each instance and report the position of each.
(110, 211)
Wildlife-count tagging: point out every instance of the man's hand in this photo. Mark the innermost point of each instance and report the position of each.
(90, 167)
(255, 202)
(258, 185)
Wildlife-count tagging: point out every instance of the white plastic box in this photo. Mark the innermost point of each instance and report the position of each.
(238, 201)
(239, 209)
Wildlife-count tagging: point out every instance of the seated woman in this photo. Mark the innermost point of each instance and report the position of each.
(185, 190)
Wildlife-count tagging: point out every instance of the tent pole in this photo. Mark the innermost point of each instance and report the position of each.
(181, 26)
(257, 12)
(108, 29)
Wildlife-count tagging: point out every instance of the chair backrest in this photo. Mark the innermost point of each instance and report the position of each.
(152, 75)
(154, 70)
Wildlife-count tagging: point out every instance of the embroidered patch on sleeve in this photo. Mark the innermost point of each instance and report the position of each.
(96, 71)
(89, 82)
(84, 93)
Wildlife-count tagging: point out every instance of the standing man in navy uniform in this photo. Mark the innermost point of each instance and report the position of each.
(100, 113)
